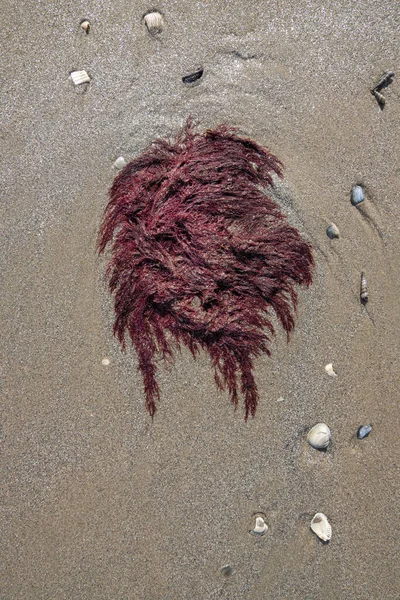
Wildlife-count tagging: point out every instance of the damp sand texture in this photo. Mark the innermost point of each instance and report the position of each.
(100, 502)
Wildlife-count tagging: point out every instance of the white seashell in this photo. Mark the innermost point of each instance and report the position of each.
(105, 362)
(319, 436)
(79, 77)
(321, 527)
(120, 163)
(261, 527)
(85, 25)
(330, 371)
(154, 22)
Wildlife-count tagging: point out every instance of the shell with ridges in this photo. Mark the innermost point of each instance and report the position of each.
(154, 22)
(363, 289)
(79, 77)
(321, 527)
(319, 436)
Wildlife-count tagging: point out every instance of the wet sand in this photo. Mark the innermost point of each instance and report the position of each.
(99, 502)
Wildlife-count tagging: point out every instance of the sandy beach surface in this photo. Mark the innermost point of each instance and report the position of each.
(99, 502)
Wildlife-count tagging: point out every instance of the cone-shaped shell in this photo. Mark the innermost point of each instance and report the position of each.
(321, 527)
(319, 436)
(261, 527)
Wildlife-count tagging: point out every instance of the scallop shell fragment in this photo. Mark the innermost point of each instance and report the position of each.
(79, 77)
(261, 527)
(357, 195)
(154, 22)
(330, 371)
(321, 527)
(319, 436)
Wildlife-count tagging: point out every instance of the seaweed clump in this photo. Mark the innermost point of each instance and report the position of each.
(201, 255)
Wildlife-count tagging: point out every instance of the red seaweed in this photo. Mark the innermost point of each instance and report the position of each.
(201, 255)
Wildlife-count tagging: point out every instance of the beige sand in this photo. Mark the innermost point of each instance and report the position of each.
(97, 501)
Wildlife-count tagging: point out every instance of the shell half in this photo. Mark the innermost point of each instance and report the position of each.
(332, 231)
(329, 370)
(261, 527)
(357, 195)
(363, 431)
(154, 22)
(321, 527)
(79, 77)
(319, 436)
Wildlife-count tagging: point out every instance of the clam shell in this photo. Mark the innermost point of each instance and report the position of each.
(120, 163)
(261, 527)
(79, 77)
(321, 527)
(363, 431)
(319, 436)
(193, 77)
(330, 371)
(357, 195)
(85, 25)
(332, 231)
(154, 22)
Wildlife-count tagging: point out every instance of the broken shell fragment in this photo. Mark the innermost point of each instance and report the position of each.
(227, 570)
(332, 231)
(85, 25)
(363, 431)
(321, 527)
(357, 195)
(79, 77)
(380, 98)
(330, 371)
(193, 77)
(105, 362)
(261, 527)
(120, 163)
(363, 289)
(319, 436)
(154, 22)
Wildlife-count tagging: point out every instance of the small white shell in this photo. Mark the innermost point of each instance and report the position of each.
(85, 25)
(105, 362)
(321, 527)
(330, 371)
(79, 77)
(120, 163)
(261, 527)
(319, 436)
(154, 22)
